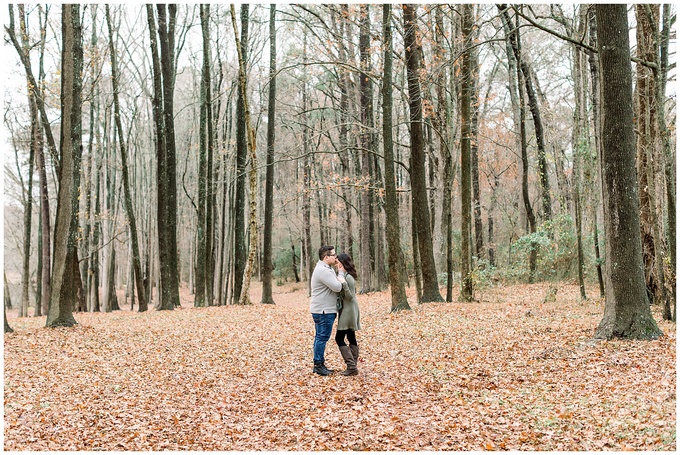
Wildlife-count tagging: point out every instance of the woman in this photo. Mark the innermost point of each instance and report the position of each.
(348, 321)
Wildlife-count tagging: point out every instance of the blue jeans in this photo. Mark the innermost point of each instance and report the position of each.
(323, 324)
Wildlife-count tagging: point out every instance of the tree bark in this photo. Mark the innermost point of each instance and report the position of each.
(28, 196)
(63, 293)
(241, 162)
(512, 36)
(244, 298)
(129, 209)
(417, 161)
(669, 155)
(466, 286)
(580, 143)
(392, 228)
(442, 124)
(627, 313)
(595, 96)
(166, 176)
(268, 265)
(366, 108)
(525, 75)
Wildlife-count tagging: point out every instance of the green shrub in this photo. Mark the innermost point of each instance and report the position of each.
(556, 259)
(283, 266)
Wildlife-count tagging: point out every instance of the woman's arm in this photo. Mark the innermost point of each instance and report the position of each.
(349, 287)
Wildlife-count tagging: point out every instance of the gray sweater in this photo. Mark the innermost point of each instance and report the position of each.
(325, 288)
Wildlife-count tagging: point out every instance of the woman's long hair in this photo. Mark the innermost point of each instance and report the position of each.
(348, 264)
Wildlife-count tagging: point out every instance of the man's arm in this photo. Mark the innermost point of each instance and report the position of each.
(330, 279)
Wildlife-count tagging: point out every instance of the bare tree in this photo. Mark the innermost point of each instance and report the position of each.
(244, 298)
(392, 228)
(466, 92)
(163, 59)
(241, 162)
(63, 292)
(267, 264)
(129, 209)
(417, 164)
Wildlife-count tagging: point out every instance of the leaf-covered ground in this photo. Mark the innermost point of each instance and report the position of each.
(509, 372)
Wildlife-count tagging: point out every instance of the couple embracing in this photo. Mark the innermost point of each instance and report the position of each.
(328, 290)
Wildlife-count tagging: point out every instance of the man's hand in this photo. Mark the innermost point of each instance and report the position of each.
(341, 278)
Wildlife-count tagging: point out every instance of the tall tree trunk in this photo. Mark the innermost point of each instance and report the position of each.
(466, 288)
(241, 161)
(28, 196)
(512, 36)
(668, 153)
(417, 162)
(129, 209)
(268, 265)
(366, 104)
(166, 176)
(649, 156)
(595, 96)
(627, 313)
(63, 293)
(474, 140)
(525, 76)
(392, 228)
(45, 247)
(244, 298)
(345, 151)
(201, 261)
(580, 145)
(307, 258)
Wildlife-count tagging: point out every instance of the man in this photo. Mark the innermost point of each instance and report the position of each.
(325, 288)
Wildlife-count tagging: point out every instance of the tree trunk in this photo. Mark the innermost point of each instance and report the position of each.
(268, 265)
(307, 258)
(580, 143)
(669, 155)
(649, 156)
(45, 247)
(392, 228)
(345, 151)
(241, 161)
(201, 260)
(129, 209)
(366, 107)
(538, 125)
(466, 289)
(474, 141)
(8, 295)
(8, 329)
(244, 298)
(627, 313)
(595, 96)
(166, 176)
(417, 163)
(63, 293)
(512, 36)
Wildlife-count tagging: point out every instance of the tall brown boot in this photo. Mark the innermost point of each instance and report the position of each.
(349, 360)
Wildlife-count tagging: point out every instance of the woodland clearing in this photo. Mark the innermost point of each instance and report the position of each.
(507, 372)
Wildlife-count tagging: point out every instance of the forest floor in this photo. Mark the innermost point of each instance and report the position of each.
(507, 372)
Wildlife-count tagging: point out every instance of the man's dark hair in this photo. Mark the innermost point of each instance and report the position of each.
(325, 251)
